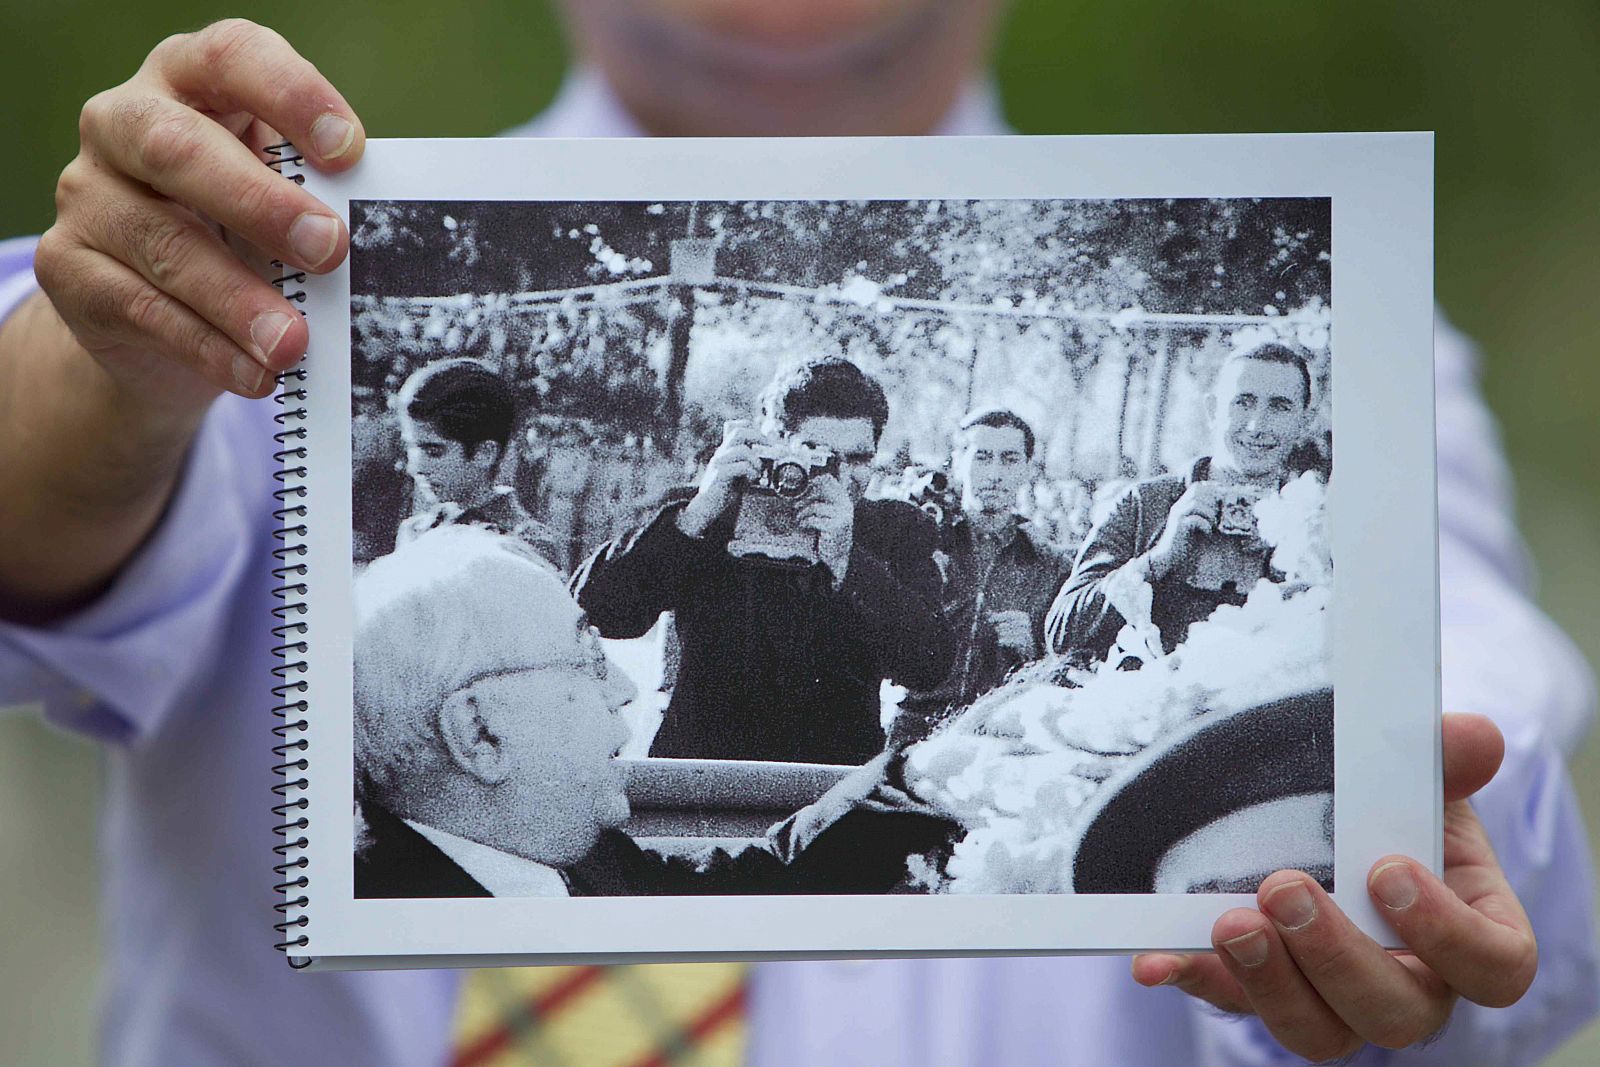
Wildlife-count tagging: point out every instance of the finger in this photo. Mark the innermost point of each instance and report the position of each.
(1473, 748)
(816, 523)
(258, 136)
(184, 155)
(740, 433)
(116, 306)
(176, 252)
(235, 65)
(1482, 947)
(1200, 976)
(1289, 1006)
(737, 467)
(1376, 995)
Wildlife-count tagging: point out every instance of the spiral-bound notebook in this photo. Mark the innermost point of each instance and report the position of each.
(860, 547)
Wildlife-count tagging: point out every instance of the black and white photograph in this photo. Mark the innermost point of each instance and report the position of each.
(962, 546)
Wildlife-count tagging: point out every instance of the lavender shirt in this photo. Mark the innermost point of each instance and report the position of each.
(169, 670)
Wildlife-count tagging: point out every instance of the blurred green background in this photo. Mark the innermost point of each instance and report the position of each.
(1513, 92)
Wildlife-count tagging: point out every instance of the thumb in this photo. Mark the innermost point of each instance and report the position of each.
(1473, 748)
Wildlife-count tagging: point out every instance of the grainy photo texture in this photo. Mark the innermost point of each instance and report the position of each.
(962, 546)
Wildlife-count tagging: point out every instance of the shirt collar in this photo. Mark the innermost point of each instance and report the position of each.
(585, 106)
(501, 873)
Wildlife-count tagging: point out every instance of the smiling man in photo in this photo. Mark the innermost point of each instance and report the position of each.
(1190, 535)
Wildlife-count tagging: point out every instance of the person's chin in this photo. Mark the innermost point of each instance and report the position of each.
(996, 501)
(613, 810)
(788, 49)
(1256, 460)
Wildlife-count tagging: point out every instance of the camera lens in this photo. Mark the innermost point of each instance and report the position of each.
(789, 479)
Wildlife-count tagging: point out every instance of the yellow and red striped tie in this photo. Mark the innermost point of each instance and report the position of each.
(659, 1015)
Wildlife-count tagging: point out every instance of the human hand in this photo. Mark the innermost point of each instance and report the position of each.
(1323, 988)
(1014, 630)
(828, 511)
(1191, 519)
(733, 463)
(138, 266)
(804, 826)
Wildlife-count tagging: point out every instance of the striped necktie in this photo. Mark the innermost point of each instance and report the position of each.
(660, 1015)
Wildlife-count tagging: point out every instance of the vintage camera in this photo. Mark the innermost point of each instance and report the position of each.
(786, 469)
(1236, 515)
(766, 530)
(1235, 560)
(929, 490)
(933, 495)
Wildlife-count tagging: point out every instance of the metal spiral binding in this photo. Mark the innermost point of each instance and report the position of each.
(290, 630)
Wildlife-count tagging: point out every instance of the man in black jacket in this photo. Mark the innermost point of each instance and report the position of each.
(784, 663)
(486, 726)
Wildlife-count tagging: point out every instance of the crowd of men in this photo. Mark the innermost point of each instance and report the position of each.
(486, 707)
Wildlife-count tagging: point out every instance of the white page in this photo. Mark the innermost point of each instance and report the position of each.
(1142, 802)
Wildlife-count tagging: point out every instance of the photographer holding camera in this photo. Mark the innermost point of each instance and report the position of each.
(793, 597)
(1193, 537)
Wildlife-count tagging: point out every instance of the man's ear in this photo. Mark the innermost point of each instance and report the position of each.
(473, 747)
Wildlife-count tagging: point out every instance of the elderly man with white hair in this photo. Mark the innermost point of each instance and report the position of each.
(486, 726)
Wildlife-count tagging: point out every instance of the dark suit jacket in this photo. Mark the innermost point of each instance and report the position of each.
(777, 664)
(864, 851)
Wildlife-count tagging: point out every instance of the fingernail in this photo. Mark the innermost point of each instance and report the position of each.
(1395, 885)
(331, 136)
(1248, 950)
(1290, 905)
(248, 373)
(313, 237)
(266, 330)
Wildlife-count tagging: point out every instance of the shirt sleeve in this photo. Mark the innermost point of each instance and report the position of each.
(16, 273)
(1502, 657)
(117, 669)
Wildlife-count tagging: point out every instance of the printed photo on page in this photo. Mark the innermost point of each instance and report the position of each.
(927, 546)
